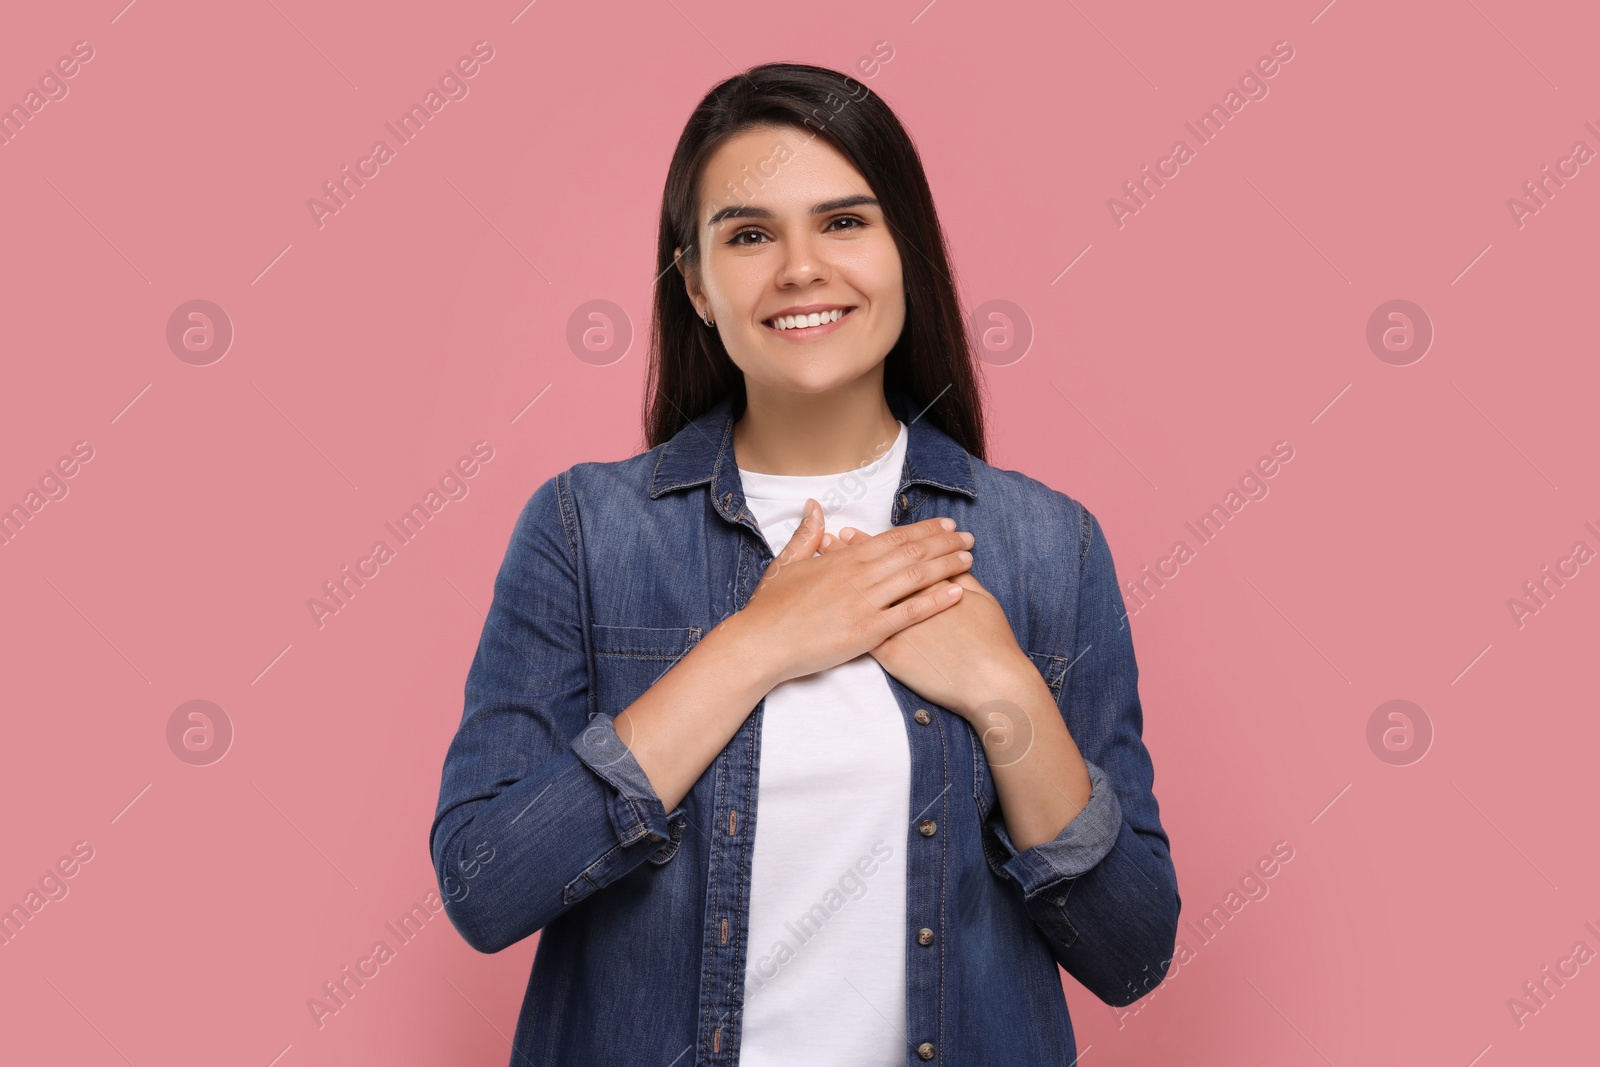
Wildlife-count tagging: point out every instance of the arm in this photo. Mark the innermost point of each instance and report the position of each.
(1103, 891)
(554, 799)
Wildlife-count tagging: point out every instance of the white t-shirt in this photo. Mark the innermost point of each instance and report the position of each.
(825, 978)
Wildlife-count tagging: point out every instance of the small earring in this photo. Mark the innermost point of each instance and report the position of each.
(708, 320)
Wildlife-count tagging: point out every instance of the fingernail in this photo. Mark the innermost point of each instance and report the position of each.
(948, 524)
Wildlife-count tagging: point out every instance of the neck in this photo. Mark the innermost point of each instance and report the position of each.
(800, 434)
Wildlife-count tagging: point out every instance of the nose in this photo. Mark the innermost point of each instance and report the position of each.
(802, 262)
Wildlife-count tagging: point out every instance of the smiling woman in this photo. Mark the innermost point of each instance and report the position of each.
(812, 262)
(704, 707)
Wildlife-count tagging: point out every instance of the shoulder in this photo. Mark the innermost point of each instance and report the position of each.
(593, 494)
(1047, 522)
(549, 531)
(594, 481)
(621, 486)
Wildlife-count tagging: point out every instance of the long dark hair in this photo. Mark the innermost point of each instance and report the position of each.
(931, 362)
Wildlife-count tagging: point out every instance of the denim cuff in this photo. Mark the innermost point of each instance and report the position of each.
(636, 811)
(1080, 845)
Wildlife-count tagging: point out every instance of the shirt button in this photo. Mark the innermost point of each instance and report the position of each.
(921, 715)
(924, 936)
(925, 1050)
(928, 827)
(903, 503)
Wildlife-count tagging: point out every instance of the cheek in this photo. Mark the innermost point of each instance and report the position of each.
(888, 313)
(877, 269)
(883, 281)
(735, 283)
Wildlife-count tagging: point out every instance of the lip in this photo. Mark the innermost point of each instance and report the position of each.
(806, 309)
(809, 333)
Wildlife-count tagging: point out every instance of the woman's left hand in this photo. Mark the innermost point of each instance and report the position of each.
(959, 658)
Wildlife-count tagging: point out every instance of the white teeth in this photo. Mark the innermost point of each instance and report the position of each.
(790, 322)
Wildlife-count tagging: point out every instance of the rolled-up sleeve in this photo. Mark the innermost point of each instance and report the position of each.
(539, 804)
(636, 811)
(1083, 843)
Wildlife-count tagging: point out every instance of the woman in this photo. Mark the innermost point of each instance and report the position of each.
(805, 736)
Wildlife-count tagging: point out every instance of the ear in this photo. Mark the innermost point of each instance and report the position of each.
(691, 280)
(691, 276)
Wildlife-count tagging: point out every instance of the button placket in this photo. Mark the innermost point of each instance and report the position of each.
(925, 867)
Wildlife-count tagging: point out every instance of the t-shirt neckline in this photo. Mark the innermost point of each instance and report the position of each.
(876, 472)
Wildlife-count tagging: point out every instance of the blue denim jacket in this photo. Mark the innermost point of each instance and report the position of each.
(547, 823)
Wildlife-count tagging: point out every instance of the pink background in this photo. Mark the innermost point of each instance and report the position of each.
(1226, 315)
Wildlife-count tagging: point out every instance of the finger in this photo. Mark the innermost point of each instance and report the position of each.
(915, 564)
(896, 536)
(807, 536)
(913, 609)
(920, 575)
(887, 558)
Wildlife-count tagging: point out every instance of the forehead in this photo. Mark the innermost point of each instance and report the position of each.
(784, 169)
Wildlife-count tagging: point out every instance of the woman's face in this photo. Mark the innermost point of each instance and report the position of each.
(787, 223)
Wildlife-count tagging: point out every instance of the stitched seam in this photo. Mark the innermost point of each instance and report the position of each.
(670, 849)
(569, 526)
(686, 636)
(746, 846)
(1085, 532)
(977, 774)
(655, 472)
(1057, 672)
(723, 447)
(944, 882)
(569, 518)
(1063, 696)
(713, 900)
(638, 829)
(719, 842)
(567, 893)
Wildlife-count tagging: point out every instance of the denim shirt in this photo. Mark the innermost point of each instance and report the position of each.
(546, 823)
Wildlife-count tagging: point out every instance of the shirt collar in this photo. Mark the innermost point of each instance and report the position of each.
(702, 452)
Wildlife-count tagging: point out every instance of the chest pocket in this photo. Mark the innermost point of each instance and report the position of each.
(629, 660)
(1014, 742)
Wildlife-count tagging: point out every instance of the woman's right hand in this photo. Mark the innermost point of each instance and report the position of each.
(811, 612)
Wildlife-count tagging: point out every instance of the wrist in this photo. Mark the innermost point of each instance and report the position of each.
(747, 655)
(1014, 681)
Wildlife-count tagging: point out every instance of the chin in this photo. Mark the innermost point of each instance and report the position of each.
(811, 385)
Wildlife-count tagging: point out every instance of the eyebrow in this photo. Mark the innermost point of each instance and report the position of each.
(745, 211)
